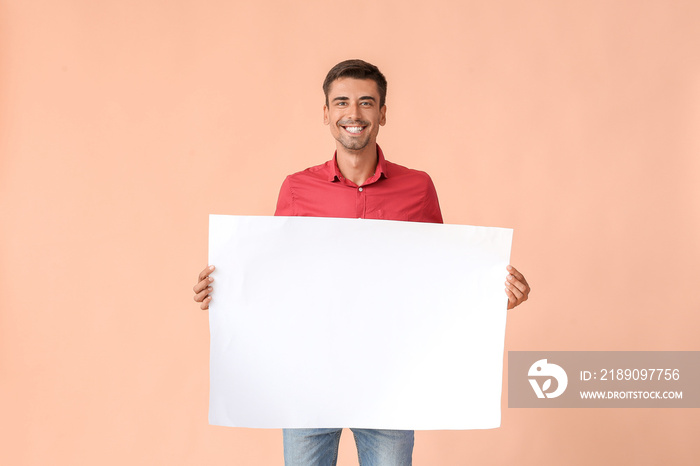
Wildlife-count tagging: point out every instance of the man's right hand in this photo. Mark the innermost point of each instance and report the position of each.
(203, 287)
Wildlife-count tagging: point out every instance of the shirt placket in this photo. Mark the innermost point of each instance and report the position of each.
(360, 201)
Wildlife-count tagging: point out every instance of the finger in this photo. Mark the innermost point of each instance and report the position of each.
(515, 291)
(518, 284)
(512, 300)
(199, 297)
(517, 274)
(203, 284)
(515, 296)
(205, 303)
(205, 273)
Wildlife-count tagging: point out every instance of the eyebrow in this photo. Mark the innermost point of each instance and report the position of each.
(364, 97)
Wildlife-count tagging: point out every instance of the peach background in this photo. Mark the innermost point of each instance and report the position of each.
(123, 124)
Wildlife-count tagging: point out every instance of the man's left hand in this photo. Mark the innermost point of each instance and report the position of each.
(517, 288)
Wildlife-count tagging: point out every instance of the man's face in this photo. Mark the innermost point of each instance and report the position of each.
(353, 112)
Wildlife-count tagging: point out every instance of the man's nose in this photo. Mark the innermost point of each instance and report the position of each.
(354, 111)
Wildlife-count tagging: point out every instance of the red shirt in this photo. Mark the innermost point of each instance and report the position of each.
(392, 193)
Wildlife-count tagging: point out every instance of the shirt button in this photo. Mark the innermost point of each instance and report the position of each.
(360, 189)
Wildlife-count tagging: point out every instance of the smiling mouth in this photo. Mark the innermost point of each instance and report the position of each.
(354, 129)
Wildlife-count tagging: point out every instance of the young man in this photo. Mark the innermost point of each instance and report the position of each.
(357, 183)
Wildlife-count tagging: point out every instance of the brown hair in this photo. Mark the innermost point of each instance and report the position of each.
(356, 69)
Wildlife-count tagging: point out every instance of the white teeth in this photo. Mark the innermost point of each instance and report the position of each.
(354, 129)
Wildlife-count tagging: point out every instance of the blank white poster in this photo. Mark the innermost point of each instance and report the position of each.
(325, 322)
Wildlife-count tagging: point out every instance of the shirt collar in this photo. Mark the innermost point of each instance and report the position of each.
(381, 170)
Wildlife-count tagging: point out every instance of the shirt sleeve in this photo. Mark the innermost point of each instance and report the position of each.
(285, 201)
(432, 205)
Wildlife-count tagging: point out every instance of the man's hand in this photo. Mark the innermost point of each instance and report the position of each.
(517, 288)
(203, 288)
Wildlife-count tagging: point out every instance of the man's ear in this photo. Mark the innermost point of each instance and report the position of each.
(326, 120)
(382, 115)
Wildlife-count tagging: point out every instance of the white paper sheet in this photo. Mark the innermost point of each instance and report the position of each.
(323, 322)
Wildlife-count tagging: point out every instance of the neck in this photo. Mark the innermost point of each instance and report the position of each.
(357, 166)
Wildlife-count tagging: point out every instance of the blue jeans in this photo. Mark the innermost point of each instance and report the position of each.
(319, 447)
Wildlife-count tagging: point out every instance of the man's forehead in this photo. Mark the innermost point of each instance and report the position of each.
(351, 86)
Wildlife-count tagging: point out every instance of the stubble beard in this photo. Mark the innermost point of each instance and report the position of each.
(350, 143)
(354, 144)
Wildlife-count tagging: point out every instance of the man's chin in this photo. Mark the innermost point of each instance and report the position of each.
(354, 145)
